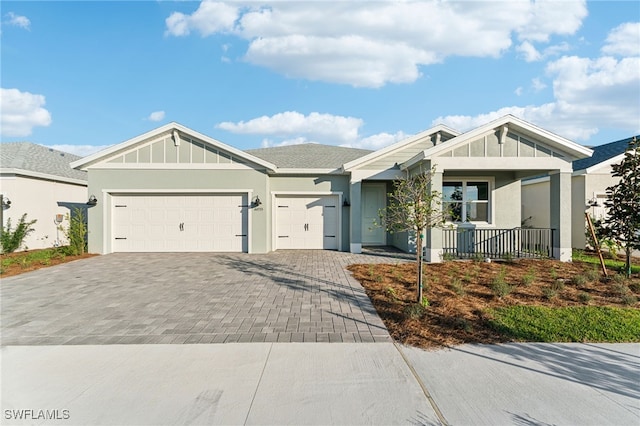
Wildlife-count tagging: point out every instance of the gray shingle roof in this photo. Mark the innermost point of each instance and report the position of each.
(40, 159)
(309, 156)
(603, 153)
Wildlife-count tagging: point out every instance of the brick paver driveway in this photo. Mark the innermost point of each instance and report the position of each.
(289, 296)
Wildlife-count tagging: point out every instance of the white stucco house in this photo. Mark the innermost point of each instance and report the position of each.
(175, 189)
(39, 181)
(589, 182)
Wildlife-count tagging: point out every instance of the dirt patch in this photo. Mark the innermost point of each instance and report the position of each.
(460, 293)
(25, 261)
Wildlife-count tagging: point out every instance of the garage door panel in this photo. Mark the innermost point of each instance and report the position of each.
(180, 223)
(306, 222)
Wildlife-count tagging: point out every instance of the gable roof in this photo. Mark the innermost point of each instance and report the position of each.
(607, 153)
(309, 156)
(375, 155)
(167, 129)
(512, 123)
(40, 161)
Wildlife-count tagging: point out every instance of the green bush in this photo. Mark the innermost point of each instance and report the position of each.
(414, 311)
(76, 233)
(13, 239)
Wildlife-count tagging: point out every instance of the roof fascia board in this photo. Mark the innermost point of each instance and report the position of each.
(46, 176)
(83, 163)
(613, 160)
(299, 171)
(397, 146)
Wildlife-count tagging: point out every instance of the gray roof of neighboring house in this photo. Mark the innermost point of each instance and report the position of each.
(603, 153)
(309, 156)
(40, 159)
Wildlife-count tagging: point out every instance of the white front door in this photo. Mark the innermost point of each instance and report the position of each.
(179, 223)
(373, 199)
(305, 222)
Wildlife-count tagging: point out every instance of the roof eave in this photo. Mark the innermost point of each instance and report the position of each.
(46, 176)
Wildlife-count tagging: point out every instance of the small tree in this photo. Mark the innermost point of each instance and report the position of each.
(76, 232)
(12, 239)
(623, 203)
(414, 207)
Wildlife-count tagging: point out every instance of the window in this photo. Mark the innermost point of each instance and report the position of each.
(466, 201)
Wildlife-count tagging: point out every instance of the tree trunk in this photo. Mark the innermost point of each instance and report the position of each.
(627, 265)
(419, 261)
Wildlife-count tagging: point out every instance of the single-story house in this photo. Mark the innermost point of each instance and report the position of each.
(174, 189)
(38, 181)
(589, 182)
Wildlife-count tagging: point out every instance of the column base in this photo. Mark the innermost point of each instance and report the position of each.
(356, 248)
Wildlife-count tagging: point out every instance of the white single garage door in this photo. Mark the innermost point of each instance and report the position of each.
(307, 222)
(180, 223)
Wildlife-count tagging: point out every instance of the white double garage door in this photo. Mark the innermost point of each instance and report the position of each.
(218, 222)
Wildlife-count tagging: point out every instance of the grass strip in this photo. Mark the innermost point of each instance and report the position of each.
(617, 265)
(569, 324)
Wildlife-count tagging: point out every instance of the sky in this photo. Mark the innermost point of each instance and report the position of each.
(82, 75)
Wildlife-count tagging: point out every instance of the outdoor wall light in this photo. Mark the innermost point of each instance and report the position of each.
(257, 202)
(346, 203)
(92, 200)
(6, 202)
(592, 203)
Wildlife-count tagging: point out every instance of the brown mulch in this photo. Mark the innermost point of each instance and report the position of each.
(460, 292)
(26, 265)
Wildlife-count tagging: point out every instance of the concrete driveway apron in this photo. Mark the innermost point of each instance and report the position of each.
(137, 298)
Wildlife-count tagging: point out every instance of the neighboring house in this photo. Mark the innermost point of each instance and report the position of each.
(174, 189)
(38, 181)
(589, 182)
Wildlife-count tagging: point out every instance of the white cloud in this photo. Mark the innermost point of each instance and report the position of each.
(529, 52)
(518, 91)
(81, 150)
(327, 128)
(623, 40)
(20, 112)
(211, 17)
(370, 44)
(156, 116)
(292, 128)
(589, 94)
(538, 85)
(18, 21)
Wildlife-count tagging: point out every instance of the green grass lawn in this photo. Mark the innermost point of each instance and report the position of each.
(569, 324)
(612, 264)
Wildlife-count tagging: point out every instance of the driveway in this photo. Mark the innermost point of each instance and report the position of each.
(285, 296)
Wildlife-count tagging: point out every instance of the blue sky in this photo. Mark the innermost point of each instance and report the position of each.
(80, 76)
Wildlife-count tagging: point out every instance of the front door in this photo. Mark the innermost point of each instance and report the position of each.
(373, 199)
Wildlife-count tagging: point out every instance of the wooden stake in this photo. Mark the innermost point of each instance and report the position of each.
(596, 243)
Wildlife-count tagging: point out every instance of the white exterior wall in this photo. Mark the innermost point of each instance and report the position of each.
(39, 199)
(535, 204)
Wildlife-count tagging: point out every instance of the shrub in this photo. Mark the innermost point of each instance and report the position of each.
(12, 239)
(391, 292)
(499, 286)
(592, 274)
(76, 233)
(457, 287)
(579, 280)
(549, 293)
(621, 288)
(584, 298)
(414, 311)
(635, 287)
(629, 299)
(529, 277)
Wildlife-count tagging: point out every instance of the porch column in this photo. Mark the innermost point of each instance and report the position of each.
(433, 236)
(560, 215)
(355, 217)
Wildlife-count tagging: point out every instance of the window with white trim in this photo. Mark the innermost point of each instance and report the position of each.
(466, 201)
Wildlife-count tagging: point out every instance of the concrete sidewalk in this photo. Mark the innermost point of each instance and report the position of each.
(533, 383)
(234, 383)
(323, 383)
